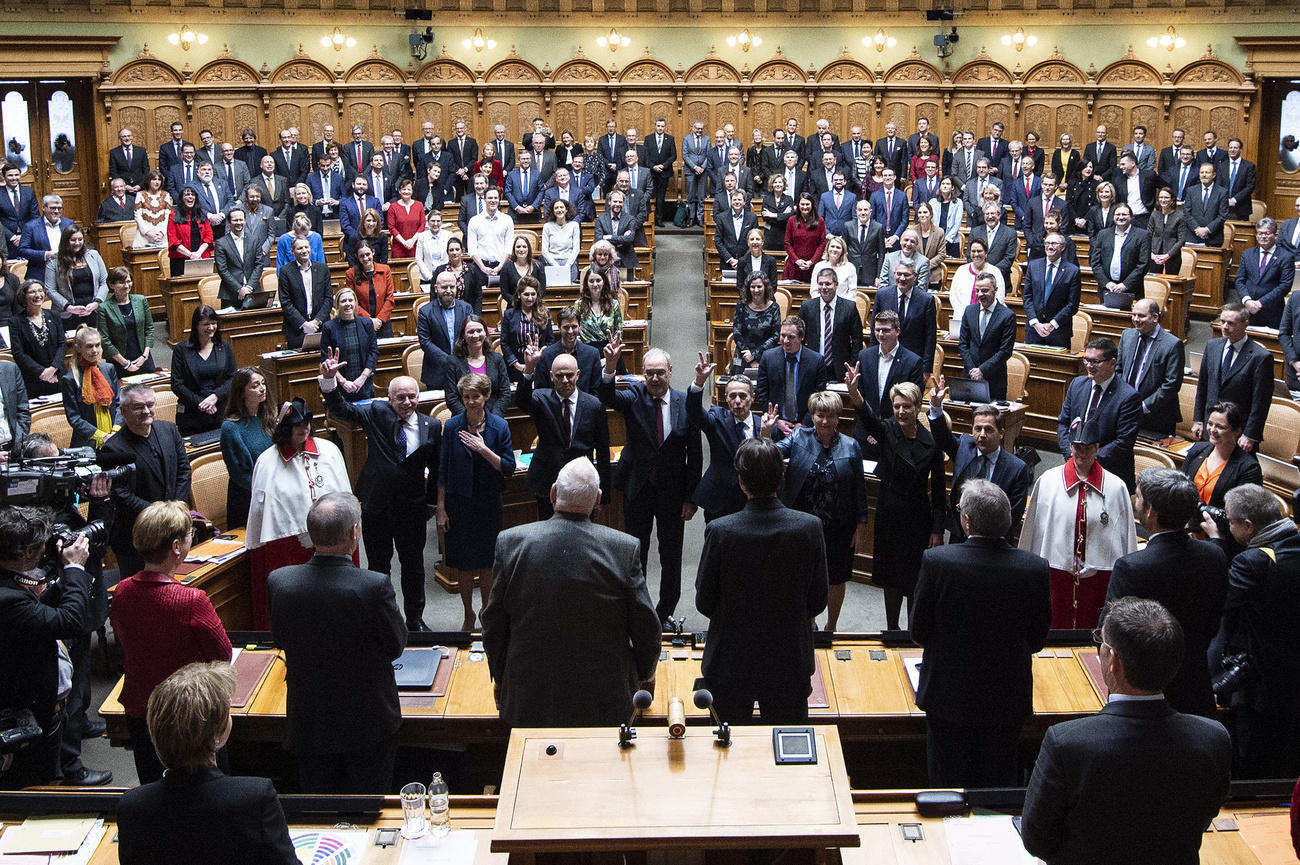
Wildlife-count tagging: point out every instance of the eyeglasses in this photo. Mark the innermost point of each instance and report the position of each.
(1098, 639)
(1087, 361)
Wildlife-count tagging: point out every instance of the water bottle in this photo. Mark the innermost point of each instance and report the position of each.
(439, 806)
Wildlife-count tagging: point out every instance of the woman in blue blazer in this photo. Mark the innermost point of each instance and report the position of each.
(825, 479)
(477, 457)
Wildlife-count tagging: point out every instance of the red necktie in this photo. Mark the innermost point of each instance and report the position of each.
(360, 167)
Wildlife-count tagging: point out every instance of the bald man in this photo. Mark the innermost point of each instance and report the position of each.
(399, 481)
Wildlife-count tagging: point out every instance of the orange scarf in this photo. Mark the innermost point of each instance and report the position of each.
(95, 389)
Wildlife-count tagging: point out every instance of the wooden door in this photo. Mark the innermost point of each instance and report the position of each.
(48, 133)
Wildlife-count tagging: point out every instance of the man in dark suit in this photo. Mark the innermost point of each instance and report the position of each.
(291, 160)
(1151, 361)
(1137, 187)
(119, 206)
(972, 193)
(1235, 368)
(239, 261)
(660, 465)
(539, 131)
(357, 152)
(1188, 577)
(432, 149)
(1289, 335)
(398, 485)
(1119, 257)
(788, 374)
(320, 149)
(612, 149)
(880, 366)
(1264, 276)
(725, 427)
(893, 150)
(570, 425)
(864, 242)
(327, 188)
(731, 230)
(305, 294)
(464, 153)
(580, 204)
(794, 141)
(162, 469)
(1206, 207)
(438, 325)
(232, 171)
(524, 190)
(1136, 756)
(980, 591)
(760, 643)
(999, 240)
(1051, 293)
(916, 310)
(340, 631)
(889, 207)
(503, 147)
(1169, 155)
(1238, 179)
(379, 183)
(837, 206)
(39, 242)
(172, 152)
(561, 576)
(987, 337)
(979, 456)
(17, 205)
(274, 187)
(543, 160)
(1036, 210)
(922, 129)
(829, 315)
(1021, 188)
(397, 159)
(128, 161)
(1181, 175)
(590, 363)
(182, 173)
(821, 174)
(215, 200)
(619, 226)
(661, 153)
(994, 146)
(472, 204)
(353, 206)
(1102, 153)
(249, 152)
(1106, 400)
(1212, 153)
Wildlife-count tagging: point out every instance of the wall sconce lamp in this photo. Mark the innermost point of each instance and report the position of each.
(879, 41)
(744, 40)
(337, 40)
(1019, 40)
(613, 41)
(478, 41)
(1169, 40)
(187, 37)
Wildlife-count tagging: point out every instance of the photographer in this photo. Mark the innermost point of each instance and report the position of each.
(36, 675)
(1260, 635)
(76, 726)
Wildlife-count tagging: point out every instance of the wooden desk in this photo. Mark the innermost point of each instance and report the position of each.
(144, 277)
(1271, 341)
(227, 585)
(252, 333)
(180, 296)
(107, 238)
(1050, 374)
(293, 373)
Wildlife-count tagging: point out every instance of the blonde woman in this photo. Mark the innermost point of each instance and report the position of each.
(836, 258)
(90, 391)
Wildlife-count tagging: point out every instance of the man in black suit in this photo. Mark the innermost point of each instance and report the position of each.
(503, 147)
(17, 206)
(1235, 368)
(612, 149)
(994, 146)
(1136, 756)
(171, 152)
(661, 153)
(398, 485)
(1188, 577)
(1212, 153)
(250, 152)
(660, 465)
(979, 456)
(916, 310)
(1051, 293)
(1289, 335)
(893, 150)
(880, 366)
(119, 206)
(790, 373)
(1265, 275)
(357, 152)
(1151, 361)
(340, 631)
(274, 187)
(999, 240)
(829, 315)
(162, 469)
(291, 160)
(305, 294)
(438, 325)
(1206, 207)
(725, 427)
(239, 262)
(987, 337)
(922, 129)
(1137, 187)
(1181, 175)
(1168, 157)
(864, 242)
(1105, 399)
(1102, 153)
(473, 204)
(796, 179)
(464, 153)
(983, 591)
(590, 363)
(570, 425)
(1119, 257)
(552, 579)
(760, 643)
(731, 230)
(1238, 179)
(128, 161)
(320, 149)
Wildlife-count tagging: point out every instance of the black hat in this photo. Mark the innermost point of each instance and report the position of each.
(293, 412)
(1084, 433)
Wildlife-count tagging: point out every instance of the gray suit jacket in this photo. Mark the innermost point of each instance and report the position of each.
(235, 271)
(622, 234)
(1159, 379)
(18, 414)
(543, 679)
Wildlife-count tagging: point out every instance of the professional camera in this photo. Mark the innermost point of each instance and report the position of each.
(61, 534)
(1237, 671)
(1219, 515)
(55, 482)
(18, 729)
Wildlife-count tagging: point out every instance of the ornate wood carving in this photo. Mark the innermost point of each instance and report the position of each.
(778, 70)
(444, 70)
(646, 70)
(301, 70)
(375, 71)
(580, 70)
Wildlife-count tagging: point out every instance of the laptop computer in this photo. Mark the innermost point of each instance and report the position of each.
(416, 669)
(968, 390)
(260, 299)
(199, 266)
(311, 342)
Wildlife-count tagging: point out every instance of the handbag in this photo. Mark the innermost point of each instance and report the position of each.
(683, 214)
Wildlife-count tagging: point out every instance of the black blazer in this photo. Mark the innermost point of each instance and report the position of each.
(1010, 473)
(32, 357)
(203, 817)
(81, 417)
(1133, 260)
(771, 381)
(1249, 384)
(510, 280)
(1190, 578)
(674, 466)
(475, 281)
(990, 354)
(131, 170)
(1211, 214)
(1130, 758)
(340, 630)
(590, 366)
(989, 592)
(28, 629)
(802, 448)
(906, 367)
(1160, 378)
(155, 480)
(391, 480)
(718, 493)
(753, 609)
(919, 332)
(1288, 334)
(331, 336)
(512, 349)
(293, 299)
(1242, 468)
(429, 327)
(556, 447)
(1118, 417)
(729, 245)
(846, 334)
(866, 257)
(192, 386)
(745, 269)
(455, 367)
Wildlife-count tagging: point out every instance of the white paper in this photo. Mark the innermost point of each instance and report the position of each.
(986, 840)
(329, 847)
(913, 667)
(454, 848)
(82, 856)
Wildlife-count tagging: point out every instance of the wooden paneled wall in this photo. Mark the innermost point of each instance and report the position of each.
(1050, 97)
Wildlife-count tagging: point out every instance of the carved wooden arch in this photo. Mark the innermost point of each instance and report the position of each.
(513, 69)
(375, 69)
(302, 69)
(580, 69)
(913, 69)
(647, 69)
(1055, 70)
(1130, 70)
(446, 69)
(845, 69)
(778, 69)
(146, 70)
(1208, 71)
(713, 69)
(226, 70)
(982, 70)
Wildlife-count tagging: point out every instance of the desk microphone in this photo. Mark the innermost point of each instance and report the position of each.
(704, 700)
(641, 701)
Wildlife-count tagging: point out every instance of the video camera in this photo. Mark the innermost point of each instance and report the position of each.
(55, 482)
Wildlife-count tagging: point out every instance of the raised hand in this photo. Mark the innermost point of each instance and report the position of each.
(938, 393)
(613, 350)
(851, 375)
(703, 370)
(531, 355)
(331, 364)
(770, 418)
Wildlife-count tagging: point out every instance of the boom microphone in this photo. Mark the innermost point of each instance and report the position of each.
(704, 700)
(641, 701)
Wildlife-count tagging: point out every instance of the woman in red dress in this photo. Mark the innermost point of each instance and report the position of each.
(925, 153)
(487, 156)
(805, 240)
(405, 220)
